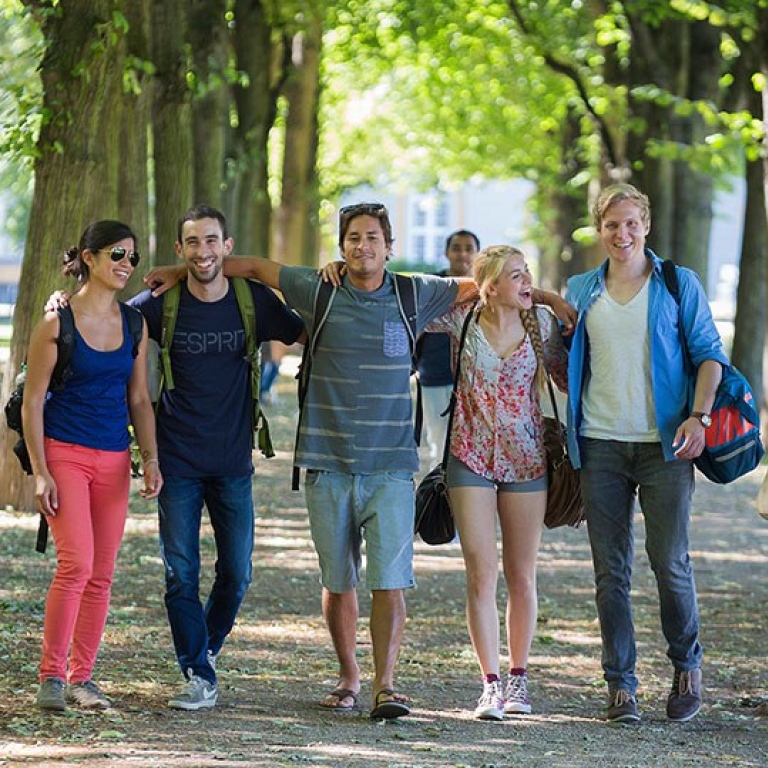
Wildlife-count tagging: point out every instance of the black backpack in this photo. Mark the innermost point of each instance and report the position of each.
(65, 343)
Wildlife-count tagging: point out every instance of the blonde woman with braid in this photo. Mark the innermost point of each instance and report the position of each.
(497, 469)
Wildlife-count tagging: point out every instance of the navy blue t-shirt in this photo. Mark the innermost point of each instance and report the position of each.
(433, 357)
(204, 423)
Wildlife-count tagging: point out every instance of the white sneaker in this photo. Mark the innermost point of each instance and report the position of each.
(516, 695)
(87, 695)
(490, 706)
(195, 694)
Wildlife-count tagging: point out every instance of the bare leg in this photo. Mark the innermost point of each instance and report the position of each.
(387, 627)
(340, 610)
(475, 512)
(521, 516)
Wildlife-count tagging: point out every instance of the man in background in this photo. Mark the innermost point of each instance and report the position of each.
(433, 351)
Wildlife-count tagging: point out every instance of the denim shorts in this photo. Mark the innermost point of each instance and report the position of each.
(459, 475)
(346, 510)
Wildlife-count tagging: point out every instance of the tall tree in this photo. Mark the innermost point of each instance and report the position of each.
(296, 218)
(209, 41)
(133, 186)
(171, 122)
(255, 95)
(76, 171)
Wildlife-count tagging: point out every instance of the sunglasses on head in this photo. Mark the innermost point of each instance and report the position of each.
(363, 209)
(118, 253)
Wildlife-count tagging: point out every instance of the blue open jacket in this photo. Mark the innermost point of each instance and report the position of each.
(672, 391)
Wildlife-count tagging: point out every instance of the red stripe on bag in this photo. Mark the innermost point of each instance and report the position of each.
(727, 424)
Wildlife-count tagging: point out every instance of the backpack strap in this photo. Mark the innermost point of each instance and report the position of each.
(170, 310)
(672, 283)
(669, 273)
(135, 326)
(248, 314)
(405, 292)
(65, 343)
(324, 295)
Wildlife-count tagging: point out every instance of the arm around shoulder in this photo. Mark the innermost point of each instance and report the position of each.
(254, 267)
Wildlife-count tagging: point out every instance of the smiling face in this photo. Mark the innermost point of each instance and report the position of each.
(623, 230)
(514, 286)
(503, 278)
(101, 266)
(365, 251)
(203, 248)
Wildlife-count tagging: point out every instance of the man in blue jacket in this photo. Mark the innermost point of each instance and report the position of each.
(633, 433)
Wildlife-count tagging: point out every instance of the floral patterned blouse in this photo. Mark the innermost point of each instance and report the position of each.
(497, 428)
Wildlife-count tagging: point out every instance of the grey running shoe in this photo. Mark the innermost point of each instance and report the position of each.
(684, 701)
(211, 659)
(622, 707)
(516, 695)
(87, 695)
(490, 706)
(50, 695)
(195, 694)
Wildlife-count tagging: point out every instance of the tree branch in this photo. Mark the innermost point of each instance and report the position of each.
(567, 70)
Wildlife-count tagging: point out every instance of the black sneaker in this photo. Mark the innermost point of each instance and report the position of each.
(684, 701)
(622, 707)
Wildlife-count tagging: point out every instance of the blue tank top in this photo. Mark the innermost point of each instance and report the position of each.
(92, 407)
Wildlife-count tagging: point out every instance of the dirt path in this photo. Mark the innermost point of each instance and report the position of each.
(278, 660)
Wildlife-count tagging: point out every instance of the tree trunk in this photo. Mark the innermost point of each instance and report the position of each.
(682, 58)
(751, 314)
(695, 188)
(172, 124)
(299, 203)
(256, 111)
(76, 174)
(133, 189)
(209, 39)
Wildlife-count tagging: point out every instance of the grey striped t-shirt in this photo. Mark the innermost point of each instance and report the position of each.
(357, 415)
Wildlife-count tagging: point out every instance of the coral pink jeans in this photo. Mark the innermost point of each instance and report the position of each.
(93, 487)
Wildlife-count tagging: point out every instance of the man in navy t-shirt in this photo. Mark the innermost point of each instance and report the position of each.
(433, 351)
(205, 441)
(356, 440)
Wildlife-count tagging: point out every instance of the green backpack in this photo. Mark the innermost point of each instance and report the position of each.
(248, 314)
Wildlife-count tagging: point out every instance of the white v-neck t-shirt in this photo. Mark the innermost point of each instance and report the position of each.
(618, 398)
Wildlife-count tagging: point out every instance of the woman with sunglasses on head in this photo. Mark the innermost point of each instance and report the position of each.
(497, 468)
(79, 444)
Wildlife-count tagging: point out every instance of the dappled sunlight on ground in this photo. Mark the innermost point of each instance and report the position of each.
(278, 661)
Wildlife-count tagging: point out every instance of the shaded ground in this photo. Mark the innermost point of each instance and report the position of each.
(278, 661)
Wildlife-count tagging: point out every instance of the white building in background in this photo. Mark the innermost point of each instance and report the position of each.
(496, 211)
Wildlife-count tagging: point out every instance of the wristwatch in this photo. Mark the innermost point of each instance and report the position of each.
(704, 418)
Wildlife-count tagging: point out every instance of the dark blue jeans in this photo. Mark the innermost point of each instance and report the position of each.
(612, 474)
(197, 630)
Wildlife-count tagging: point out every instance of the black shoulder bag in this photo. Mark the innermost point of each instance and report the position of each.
(434, 519)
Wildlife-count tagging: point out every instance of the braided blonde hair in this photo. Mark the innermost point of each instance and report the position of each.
(531, 325)
(486, 269)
